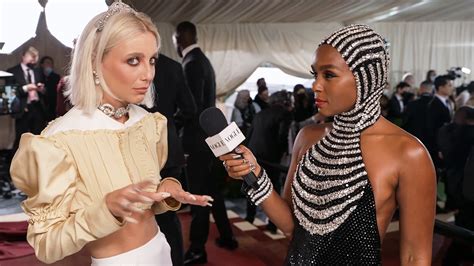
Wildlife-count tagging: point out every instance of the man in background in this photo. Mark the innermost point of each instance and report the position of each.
(51, 80)
(440, 112)
(260, 102)
(397, 104)
(268, 140)
(29, 103)
(200, 78)
(173, 99)
(416, 112)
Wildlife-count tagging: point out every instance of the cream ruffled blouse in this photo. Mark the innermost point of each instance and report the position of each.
(68, 169)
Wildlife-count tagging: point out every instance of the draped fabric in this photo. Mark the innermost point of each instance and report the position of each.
(240, 35)
(417, 47)
(236, 50)
(291, 11)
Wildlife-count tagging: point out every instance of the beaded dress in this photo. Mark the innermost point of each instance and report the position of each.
(333, 201)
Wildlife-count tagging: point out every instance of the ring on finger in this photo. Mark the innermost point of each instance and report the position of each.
(244, 161)
(224, 164)
(252, 167)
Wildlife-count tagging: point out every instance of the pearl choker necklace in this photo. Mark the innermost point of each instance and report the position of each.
(110, 111)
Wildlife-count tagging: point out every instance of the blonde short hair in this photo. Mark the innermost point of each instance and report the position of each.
(90, 50)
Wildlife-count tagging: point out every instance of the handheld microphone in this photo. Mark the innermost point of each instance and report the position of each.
(223, 138)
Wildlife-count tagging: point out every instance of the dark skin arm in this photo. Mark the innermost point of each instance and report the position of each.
(278, 208)
(401, 174)
(416, 197)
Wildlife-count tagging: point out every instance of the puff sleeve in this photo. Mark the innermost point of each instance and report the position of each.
(46, 173)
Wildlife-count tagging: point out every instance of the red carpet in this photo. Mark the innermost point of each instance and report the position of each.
(255, 248)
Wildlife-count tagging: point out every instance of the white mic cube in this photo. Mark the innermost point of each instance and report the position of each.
(226, 141)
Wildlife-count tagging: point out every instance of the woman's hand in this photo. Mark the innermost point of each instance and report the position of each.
(174, 189)
(120, 202)
(238, 167)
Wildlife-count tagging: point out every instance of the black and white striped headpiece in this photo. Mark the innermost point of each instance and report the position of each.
(366, 54)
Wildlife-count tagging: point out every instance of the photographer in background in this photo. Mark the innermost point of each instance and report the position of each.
(29, 106)
(462, 94)
(470, 88)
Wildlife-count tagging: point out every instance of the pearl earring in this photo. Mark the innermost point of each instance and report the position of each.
(96, 78)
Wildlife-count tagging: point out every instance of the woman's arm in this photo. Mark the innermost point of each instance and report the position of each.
(278, 208)
(45, 172)
(416, 195)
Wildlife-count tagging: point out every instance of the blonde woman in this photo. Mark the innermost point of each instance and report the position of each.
(93, 176)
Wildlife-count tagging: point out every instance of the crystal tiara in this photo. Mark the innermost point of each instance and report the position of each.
(115, 8)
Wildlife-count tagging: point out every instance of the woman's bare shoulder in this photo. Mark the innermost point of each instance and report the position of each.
(405, 146)
(308, 136)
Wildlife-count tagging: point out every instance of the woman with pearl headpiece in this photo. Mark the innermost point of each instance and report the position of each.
(92, 177)
(347, 178)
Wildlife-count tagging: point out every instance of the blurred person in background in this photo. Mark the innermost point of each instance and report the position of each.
(174, 100)
(416, 113)
(439, 112)
(430, 75)
(397, 104)
(244, 111)
(470, 101)
(410, 93)
(384, 105)
(29, 109)
(202, 166)
(463, 97)
(268, 139)
(303, 105)
(260, 101)
(456, 142)
(51, 81)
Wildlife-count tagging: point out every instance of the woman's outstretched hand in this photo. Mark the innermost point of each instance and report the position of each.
(175, 191)
(120, 202)
(236, 166)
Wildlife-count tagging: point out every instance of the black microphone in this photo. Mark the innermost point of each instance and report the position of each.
(223, 138)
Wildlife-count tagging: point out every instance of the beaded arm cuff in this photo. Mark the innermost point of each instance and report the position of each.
(265, 187)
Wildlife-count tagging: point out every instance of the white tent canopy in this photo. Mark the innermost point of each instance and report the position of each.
(295, 11)
(240, 35)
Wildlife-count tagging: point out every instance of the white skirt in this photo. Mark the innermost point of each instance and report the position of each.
(157, 251)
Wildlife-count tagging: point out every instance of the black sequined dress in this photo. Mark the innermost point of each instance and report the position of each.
(355, 242)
